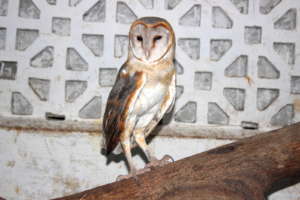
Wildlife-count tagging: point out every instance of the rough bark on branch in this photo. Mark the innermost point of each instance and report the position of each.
(244, 170)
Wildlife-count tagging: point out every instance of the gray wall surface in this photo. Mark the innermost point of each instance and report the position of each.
(237, 60)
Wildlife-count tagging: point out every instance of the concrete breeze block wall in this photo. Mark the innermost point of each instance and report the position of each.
(237, 63)
(237, 60)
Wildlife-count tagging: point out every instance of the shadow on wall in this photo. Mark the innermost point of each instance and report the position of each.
(118, 157)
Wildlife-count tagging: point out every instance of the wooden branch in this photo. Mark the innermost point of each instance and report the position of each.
(246, 169)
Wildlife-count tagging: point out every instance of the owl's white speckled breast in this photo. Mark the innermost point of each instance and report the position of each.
(151, 95)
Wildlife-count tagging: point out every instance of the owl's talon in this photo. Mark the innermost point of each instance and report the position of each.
(168, 158)
(123, 177)
(159, 163)
(133, 175)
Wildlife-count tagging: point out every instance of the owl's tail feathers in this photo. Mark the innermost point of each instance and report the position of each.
(110, 146)
(113, 155)
(115, 150)
(109, 149)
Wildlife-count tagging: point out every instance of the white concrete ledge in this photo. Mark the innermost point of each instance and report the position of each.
(95, 127)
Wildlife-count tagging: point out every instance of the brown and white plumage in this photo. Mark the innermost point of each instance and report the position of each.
(144, 89)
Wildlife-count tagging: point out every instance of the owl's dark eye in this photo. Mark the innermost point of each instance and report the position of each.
(139, 38)
(157, 37)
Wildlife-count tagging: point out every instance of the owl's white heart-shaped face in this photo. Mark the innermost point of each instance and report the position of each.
(149, 43)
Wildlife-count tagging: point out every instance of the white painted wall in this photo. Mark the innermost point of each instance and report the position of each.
(237, 59)
(35, 165)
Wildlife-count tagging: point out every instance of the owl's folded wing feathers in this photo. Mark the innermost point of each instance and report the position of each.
(120, 103)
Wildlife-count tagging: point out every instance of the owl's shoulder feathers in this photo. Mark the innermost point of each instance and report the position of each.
(120, 104)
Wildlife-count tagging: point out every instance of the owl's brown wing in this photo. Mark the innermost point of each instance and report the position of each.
(120, 103)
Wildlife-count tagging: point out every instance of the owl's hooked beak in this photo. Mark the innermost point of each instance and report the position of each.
(147, 54)
(147, 45)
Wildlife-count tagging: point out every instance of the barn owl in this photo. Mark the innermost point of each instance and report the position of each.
(144, 89)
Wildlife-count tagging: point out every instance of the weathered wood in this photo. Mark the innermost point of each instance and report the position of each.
(244, 170)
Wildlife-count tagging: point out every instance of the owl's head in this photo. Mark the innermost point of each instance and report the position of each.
(151, 39)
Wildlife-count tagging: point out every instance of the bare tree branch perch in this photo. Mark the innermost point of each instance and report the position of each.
(246, 169)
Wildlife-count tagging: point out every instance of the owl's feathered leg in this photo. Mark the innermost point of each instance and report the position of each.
(127, 150)
(133, 172)
(140, 140)
(153, 161)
